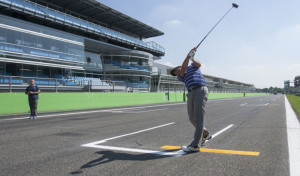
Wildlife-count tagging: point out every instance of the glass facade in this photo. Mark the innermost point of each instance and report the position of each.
(134, 60)
(132, 67)
(29, 50)
(2, 68)
(30, 42)
(39, 43)
(51, 14)
(26, 70)
(93, 61)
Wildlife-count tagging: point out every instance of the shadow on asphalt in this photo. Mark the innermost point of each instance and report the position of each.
(109, 156)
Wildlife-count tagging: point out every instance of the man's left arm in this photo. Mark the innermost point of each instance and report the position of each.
(196, 62)
(38, 91)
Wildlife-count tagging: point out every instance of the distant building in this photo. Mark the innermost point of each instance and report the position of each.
(162, 80)
(74, 41)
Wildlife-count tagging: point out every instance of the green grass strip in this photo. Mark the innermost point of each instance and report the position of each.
(17, 103)
(295, 102)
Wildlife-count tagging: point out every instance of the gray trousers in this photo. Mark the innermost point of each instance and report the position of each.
(33, 103)
(196, 110)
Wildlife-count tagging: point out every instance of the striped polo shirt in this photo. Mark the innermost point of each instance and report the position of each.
(192, 77)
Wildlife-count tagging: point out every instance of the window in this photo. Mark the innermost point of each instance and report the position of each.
(88, 60)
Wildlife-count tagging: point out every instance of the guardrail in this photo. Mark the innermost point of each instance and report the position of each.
(19, 83)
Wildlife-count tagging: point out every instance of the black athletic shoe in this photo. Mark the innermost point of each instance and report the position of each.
(205, 139)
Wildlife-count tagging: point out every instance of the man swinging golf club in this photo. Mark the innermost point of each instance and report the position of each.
(197, 92)
(197, 97)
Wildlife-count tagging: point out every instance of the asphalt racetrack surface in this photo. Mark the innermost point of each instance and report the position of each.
(250, 138)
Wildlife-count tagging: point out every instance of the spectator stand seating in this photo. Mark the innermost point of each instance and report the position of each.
(129, 66)
(87, 80)
(5, 78)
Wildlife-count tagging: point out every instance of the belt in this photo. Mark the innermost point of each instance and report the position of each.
(193, 88)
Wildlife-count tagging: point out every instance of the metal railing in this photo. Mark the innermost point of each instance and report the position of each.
(19, 83)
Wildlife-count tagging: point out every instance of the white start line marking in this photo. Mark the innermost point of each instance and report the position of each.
(178, 153)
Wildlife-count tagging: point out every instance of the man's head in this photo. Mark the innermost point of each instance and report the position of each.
(32, 82)
(175, 71)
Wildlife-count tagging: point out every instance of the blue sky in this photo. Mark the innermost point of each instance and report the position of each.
(258, 43)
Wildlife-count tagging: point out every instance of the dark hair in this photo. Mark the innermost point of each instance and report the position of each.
(173, 71)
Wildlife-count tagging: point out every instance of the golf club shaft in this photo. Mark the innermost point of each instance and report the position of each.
(213, 27)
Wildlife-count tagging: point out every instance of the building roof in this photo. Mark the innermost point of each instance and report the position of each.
(95, 11)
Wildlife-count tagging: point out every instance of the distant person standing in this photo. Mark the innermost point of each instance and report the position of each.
(33, 96)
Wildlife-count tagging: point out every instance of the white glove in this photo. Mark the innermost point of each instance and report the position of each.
(192, 53)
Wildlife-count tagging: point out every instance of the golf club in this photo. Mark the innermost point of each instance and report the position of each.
(233, 6)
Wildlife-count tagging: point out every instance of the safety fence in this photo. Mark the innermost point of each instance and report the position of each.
(85, 84)
(19, 84)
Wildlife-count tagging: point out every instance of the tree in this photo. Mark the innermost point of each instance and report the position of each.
(297, 81)
(271, 89)
(278, 90)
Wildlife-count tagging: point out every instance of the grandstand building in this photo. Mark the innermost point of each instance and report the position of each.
(74, 43)
(82, 45)
(163, 81)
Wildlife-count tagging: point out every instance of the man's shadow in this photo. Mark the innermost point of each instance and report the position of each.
(109, 156)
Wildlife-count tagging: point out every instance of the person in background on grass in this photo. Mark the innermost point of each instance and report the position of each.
(33, 97)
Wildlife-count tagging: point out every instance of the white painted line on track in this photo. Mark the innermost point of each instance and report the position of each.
(293, 132)
(137, 112)
(129, 134)
(246, 104)
(96, 144)
(221, 131)
(177, 153)
(93, 111)
(215, 101)
(137, 150)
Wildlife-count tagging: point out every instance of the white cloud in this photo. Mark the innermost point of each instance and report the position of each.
(294, 67)
(149, 40)
(168, 64)
(174, 22)
(252, 67)
(292, 71)
(289, 33)
(205, 68)
(166, 11)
